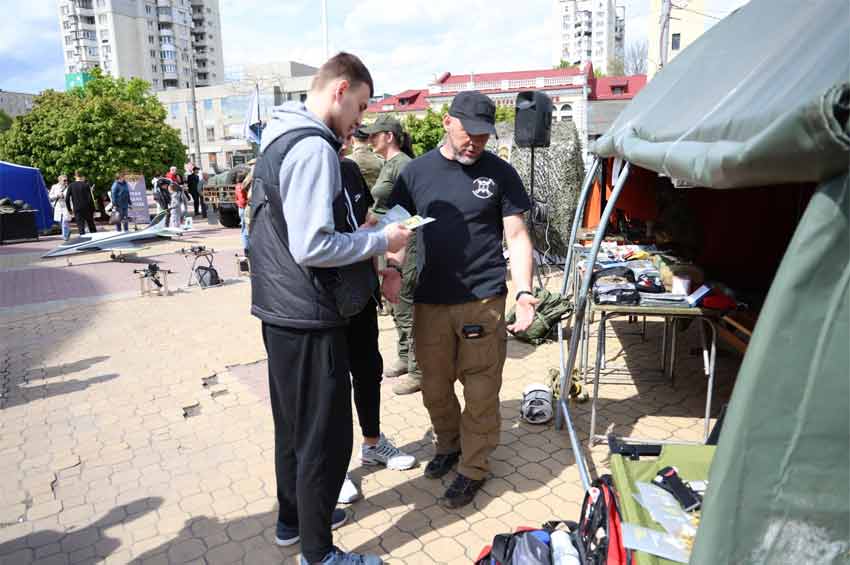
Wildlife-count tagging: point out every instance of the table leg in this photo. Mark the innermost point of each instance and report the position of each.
(712, 362)
(601, 336)
(671, 366)
(664, 345)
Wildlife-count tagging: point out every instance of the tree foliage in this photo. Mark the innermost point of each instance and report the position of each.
(426, 132)
(564, 65)
(106, 126)
(5, 121)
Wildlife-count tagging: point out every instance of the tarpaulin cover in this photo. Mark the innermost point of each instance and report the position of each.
(759, 99)
(779, 487)
(25, 183)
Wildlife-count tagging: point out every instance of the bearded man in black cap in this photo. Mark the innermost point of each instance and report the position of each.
(477, 200)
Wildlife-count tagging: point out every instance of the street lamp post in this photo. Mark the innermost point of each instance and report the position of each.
(197, 160)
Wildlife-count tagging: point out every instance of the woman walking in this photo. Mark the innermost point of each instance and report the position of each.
(60, 210)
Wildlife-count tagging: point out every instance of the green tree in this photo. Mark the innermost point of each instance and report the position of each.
(505, 114)
(564, 65)
(106, 126)
(425, 132)
(5, 121)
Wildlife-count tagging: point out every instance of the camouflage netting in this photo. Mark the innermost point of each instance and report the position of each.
(228, 177)
(559, 171)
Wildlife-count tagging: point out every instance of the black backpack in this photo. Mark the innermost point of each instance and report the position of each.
(207, 276)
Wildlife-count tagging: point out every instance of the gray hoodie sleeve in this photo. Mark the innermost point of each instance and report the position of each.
(309, 182)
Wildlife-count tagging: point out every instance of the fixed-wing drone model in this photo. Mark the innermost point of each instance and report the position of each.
(120, 242)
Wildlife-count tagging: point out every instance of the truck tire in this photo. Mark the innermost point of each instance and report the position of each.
(229, 217)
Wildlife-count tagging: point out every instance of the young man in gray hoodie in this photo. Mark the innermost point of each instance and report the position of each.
(301, 231)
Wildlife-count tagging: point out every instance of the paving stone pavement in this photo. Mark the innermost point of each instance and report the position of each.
(138, 430)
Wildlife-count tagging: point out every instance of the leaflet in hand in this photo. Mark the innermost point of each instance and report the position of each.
(397, 214)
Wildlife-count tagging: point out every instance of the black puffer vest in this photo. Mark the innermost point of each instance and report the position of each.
(283, 293)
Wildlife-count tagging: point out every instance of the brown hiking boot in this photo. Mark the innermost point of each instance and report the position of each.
(397, 369)
(408, 385)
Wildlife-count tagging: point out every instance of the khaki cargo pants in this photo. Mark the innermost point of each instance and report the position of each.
(445, 355)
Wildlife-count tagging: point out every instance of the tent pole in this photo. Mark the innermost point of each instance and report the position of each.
(575, 337)
(577, 220)
(578, 217)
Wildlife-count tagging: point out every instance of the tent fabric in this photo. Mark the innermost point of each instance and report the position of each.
(759, 99)
(25, 183)
(779, 485)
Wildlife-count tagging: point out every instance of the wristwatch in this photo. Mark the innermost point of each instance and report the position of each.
(520, 293)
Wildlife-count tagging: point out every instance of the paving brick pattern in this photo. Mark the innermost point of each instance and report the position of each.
(138, 430)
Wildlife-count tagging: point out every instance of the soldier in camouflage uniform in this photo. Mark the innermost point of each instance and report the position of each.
(370, 164)
(392, 143)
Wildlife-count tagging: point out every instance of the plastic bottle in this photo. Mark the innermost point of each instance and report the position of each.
(563, 550)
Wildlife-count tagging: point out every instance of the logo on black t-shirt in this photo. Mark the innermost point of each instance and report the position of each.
(482, 187)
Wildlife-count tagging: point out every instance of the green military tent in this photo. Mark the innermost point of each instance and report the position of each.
(762, 100)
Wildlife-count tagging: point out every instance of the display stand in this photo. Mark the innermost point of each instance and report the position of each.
(195, 257)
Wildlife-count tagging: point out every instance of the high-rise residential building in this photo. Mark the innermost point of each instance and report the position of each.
(588, 31)
(155, 40)
(689, 19)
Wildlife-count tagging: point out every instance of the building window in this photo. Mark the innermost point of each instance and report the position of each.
(101, 3)
(168, 55)
(106, 49)
(676, 41)
(154, 69)
(91, 51)
(101, 19)
(64, 10)
(148, 9)
(85, 4)
(153, 54)
(163, 11)
(208, 103)
(150, 39)
(67, 40)
(210, 134)
(156, 82)
(169, 68)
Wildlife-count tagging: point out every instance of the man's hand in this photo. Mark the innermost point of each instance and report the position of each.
(397, 236)
(391, 287)
(371, 220)
(524, 313)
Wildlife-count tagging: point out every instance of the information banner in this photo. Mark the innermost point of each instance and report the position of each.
(139, 213)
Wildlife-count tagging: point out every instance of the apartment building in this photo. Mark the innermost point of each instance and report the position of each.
(15, 103)
(222, 109)
(689, 19)
(160, 41)
(591, 103)
(588, 31)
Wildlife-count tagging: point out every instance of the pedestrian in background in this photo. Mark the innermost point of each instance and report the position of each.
(241, 203)
(80, 201)
(391, 142)
(370, 164)
(193, 181)
(364, 355)
(120, 196)
(60, 209)
(175, 204)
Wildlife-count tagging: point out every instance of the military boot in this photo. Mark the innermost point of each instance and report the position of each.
(408, 385)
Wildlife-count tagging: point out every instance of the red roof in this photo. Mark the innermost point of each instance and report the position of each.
(602, 88)
(448, 78)
(407, 101)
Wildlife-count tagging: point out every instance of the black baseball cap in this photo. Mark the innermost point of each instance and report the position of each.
(476, 112)
(360, 134)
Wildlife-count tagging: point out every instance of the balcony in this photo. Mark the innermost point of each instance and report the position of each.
(165, 17)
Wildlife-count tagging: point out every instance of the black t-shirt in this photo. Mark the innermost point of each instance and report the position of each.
(460, 255)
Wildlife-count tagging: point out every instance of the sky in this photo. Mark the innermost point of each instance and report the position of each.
(404, 44)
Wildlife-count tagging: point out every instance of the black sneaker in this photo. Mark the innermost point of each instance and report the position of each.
(461, 492)
(441, 464)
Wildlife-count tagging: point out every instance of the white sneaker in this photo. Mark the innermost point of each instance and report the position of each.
(349, 492)
(385, 453)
